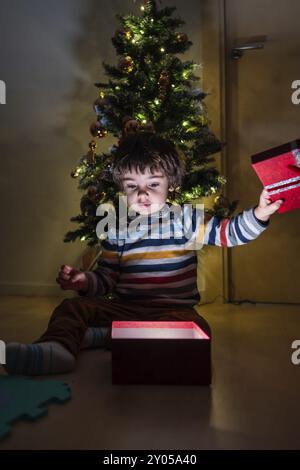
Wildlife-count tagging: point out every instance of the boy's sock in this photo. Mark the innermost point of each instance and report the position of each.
(49, 357)
(96, 337)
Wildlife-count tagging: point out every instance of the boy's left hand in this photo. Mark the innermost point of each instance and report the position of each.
(265, 207)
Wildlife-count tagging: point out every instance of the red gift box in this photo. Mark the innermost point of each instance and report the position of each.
(160, 353)
(278, 169)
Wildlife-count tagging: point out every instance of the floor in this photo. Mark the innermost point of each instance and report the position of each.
(253, 402)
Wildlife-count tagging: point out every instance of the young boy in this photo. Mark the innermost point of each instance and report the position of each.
(152, 278)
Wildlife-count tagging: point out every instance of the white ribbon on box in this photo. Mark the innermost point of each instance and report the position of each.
(289, 181)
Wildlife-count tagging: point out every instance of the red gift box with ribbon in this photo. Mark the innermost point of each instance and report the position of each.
(278, 168)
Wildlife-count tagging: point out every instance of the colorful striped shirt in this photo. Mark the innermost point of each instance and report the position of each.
(158, 263)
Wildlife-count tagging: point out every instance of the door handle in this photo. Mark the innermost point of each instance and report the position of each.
(238, 51)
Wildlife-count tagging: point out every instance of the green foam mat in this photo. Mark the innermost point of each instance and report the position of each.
(25, 398)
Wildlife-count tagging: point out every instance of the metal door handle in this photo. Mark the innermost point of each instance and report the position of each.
(238, 51)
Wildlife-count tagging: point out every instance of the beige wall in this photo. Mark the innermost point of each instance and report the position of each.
(212, 259)
(260, 115)
(51, 57)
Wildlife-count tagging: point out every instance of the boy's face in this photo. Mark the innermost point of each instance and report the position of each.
(146, 193)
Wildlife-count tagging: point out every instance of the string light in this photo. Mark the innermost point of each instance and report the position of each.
(162, 49)
(78, 171)
(142, 8)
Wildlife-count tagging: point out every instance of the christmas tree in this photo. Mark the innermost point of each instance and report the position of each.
(149, 86)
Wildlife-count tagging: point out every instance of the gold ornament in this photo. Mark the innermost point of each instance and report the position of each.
(92, 145)
(132, 126)
(93, 193)
(126, 64)
(163, 83)
(97, 130)
(90, 156)
(181, 37)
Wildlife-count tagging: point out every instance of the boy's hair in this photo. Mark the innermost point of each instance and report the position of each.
(146, 149)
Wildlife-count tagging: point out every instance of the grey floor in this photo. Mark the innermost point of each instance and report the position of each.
(253, 402)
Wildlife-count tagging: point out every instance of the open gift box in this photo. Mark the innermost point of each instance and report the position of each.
(278, 169)
(160, 353)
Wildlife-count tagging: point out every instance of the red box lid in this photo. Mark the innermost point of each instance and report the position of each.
(278, 168)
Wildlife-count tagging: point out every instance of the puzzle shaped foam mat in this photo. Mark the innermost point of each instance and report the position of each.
(25, 398)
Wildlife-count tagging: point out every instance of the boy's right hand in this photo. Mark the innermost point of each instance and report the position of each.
(71, 279)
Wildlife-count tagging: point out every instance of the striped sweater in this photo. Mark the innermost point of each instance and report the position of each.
(163, 268)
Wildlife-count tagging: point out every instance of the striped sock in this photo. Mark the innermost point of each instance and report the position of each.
(45, 358)
(96, 337)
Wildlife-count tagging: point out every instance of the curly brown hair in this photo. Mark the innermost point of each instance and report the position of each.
(143, 150)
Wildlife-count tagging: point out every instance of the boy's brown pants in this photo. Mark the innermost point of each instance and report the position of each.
(71, 318)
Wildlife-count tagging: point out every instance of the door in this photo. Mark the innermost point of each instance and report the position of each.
(260, 114)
